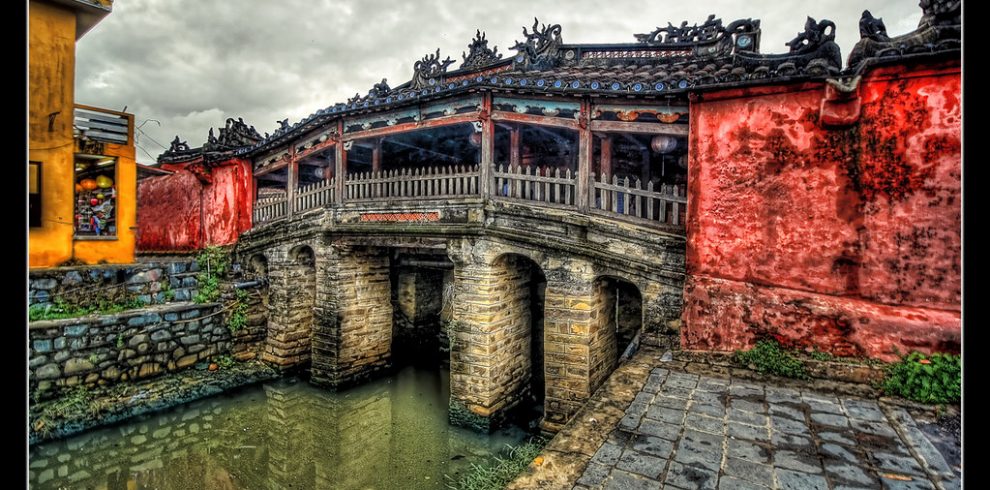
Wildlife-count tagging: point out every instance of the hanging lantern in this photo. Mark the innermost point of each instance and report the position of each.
(663, 143)
(104, 182)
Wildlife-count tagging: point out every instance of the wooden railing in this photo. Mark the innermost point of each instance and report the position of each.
(531, 184)
(269, 209)
(104, 125)
(628, 197)
(413, 183)
(312, 196)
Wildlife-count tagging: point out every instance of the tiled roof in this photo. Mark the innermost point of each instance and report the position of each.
(670, 60)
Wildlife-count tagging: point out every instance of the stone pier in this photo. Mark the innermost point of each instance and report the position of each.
(353, 335)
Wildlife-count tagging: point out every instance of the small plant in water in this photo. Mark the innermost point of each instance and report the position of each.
(498, 472)
(927, 379)
(225, 361)
(768, 357)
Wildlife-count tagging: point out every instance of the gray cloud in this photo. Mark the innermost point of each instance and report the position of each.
(191, 64)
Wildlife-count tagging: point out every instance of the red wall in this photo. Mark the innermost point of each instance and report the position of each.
(846, 240)
(179, 212)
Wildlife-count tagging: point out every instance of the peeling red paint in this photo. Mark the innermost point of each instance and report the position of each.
(181, 212)
(822, 236)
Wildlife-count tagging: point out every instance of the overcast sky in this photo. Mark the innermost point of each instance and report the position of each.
(190, 64)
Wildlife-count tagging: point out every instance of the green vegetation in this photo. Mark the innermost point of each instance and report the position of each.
(213, 264)
(498, 472)
(238, 317)
(821, 356)
(71, 403)
(167, 291)
(926, 379)
(768, 357)
(225, 361)
(62, 309)
(120, 340)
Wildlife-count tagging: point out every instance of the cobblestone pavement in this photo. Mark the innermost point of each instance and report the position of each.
(685, 431)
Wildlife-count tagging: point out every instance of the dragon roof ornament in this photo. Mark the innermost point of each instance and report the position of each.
(940, 30)
(539, 50)
(429, 71)
(479, 54)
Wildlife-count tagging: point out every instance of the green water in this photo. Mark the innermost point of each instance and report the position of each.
(388, 434)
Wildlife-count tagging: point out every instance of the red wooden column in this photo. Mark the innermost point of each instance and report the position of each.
(487, 146)
(515, 144)
(606, 166)
(376, 156)
(292, 181)
(340, 167)
(585, 148)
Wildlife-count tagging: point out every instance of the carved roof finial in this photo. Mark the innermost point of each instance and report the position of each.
(429, 70)
(539, 51)
(479, 54)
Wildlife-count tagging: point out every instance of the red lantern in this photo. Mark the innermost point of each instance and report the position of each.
(94, 201)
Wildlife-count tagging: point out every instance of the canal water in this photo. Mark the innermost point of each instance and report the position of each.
(389, 434)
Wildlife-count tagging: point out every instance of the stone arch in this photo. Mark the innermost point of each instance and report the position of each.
(618, 315)
(303, 255)
(258, 265)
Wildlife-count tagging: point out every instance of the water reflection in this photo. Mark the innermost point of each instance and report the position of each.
(389, 434)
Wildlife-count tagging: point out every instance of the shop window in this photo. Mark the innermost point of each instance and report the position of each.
(96, 196)
(34, 194)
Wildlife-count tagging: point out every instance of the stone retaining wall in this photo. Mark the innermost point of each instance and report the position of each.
(106, 349)
(151, 282)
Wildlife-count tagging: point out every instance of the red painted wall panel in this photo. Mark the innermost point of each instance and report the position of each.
(179, 212)
(825, 237)
(168, 213)
(228, 203)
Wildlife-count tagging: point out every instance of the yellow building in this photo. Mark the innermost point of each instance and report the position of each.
(82, 173)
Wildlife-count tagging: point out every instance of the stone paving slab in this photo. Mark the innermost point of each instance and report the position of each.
(690, 431)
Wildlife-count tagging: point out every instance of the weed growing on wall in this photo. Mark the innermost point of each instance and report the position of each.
(62, 309)
(238, 316)
(926, 379)
(213, 263)
(768, 357)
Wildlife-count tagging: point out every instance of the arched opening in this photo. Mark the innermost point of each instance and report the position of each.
(619, 311)
(303, 255)
(420, 284)
(519, 324)
(258, 267)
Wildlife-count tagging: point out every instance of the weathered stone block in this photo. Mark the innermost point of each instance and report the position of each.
(42, 346)
(48, 371)
(78, 366)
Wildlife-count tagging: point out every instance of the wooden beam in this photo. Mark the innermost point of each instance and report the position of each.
(274, 177)
(515, 142)
(340, 166)
(272, 168)
(316, 148)
(414, 147)
(585, 149)
(639, 127)
(556, 122)
(412, 126)
(629, 138)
